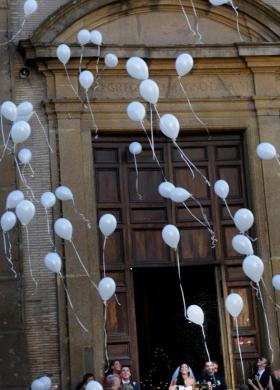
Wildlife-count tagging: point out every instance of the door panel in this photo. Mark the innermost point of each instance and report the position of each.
(137, 241)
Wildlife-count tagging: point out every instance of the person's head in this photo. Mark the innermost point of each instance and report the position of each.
(114, 381)
(262, 363)
(125, 373)
(88, 377)
(183, 372)
(209, 368)
(115, 366)
(216, 366)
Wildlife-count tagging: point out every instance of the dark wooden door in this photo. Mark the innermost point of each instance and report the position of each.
(137, 241)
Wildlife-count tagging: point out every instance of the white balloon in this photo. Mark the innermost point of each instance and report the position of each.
(24, 111)
(149, 91)
(266, 151)
(48, 200)
(219, 2)
(53, 262)
(25, 211)
(9, 110)
(63, 193)
(111, 60)
(276, 282)
(86, 79)
(96, 37)
(93, 385)
(169, 126)
(195, 314)
(8, 221)
(179, 195)
(107, 224)
(106, 288)
(25, 156)
(242, 245)
(37, 385)
(30, 6)
(63, 228)
(243, 219)
(136, 111)
(63, 53)
(165, 189)
(184, 64)
(46, 380)
(253, 268)
(137, 68)
(13, 199)
(20, 132)
(234, 304)
(171, 236)
(83, 37)
(135, 148)
(221, 189)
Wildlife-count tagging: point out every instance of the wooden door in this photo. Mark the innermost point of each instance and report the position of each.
(138, 242)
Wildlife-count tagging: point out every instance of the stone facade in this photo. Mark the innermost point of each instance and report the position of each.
(234, 86)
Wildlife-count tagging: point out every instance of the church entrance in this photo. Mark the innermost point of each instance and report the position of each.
(165, 338)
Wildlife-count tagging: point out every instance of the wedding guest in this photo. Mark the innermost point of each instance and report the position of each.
(115, 369)
(126, 382)
(114, 382)
(86, 378)
(261, 378)
(274, 383)
(211, 379)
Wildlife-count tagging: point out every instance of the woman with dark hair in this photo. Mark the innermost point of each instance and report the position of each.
(183, 380)
(115, 369)
(86, 378)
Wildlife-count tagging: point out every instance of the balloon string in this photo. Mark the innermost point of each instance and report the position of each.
(186, 17)
(191, 164)
(157, 161)
(239, 349)
(6, 142)
(71, 304)
(228, 209)
(250, 238)
(81, 215)
(266, 323)
(212, 233)
(81, 58)
(196, 23)
(15, 35)
(256, 290)
(44, 131)
(180, 282)
(205, 343)
(8, 253)
(98, 59)
(29, 258)
(106, 335)
(92, 115)
(23, 180)
(72, 86)
(137, 179)
(116, 299)
(190, 105)
(269, 296)
(103, 256)
(31, 169)
(98, 78)
(83, 266)
(237, 20)
(2, 131)
(277, 157)
(48, 226)
(152, 131)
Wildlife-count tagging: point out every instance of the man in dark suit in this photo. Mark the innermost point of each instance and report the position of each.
(261, 378)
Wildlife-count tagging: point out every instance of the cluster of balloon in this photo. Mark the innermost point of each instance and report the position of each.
(135, 148)
(93, 385)
(137, 112)
(86, 79)
(196, 315)
(43, 383)
(183, 65)
(64, 193)
(171, 236)
(106, 289)
(234, 305)
(267, 151)
(29, 7)
(64, 229)
(54, 264)
(181, 195)
(107, 225)
(195, 32)
(170, 127)
(216, 3)
(253, 268)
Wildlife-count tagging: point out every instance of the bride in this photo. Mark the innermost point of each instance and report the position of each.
(183, 381)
